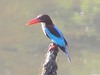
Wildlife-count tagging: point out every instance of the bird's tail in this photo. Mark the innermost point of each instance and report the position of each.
(67, 54)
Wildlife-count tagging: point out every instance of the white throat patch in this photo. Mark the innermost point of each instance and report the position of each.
(43, 27)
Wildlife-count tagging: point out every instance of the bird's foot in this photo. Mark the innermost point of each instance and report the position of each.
(52, 46)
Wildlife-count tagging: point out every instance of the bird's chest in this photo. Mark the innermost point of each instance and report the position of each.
(46, 29)
(43, 28)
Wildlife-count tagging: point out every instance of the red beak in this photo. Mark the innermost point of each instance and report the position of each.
(33, 21)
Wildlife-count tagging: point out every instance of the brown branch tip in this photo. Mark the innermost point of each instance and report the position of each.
(50, 66)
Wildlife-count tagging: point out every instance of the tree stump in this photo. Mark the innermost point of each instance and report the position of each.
(50, 66)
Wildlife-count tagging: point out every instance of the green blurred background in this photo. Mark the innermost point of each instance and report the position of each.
(23, 48)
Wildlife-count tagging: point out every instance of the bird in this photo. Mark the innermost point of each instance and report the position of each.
(52, 32)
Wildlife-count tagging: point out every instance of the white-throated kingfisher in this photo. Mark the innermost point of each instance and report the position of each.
(52, 32)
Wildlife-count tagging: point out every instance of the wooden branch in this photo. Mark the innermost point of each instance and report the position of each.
(50, 66)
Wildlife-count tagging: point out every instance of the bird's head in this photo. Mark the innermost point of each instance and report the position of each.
(41, 18)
